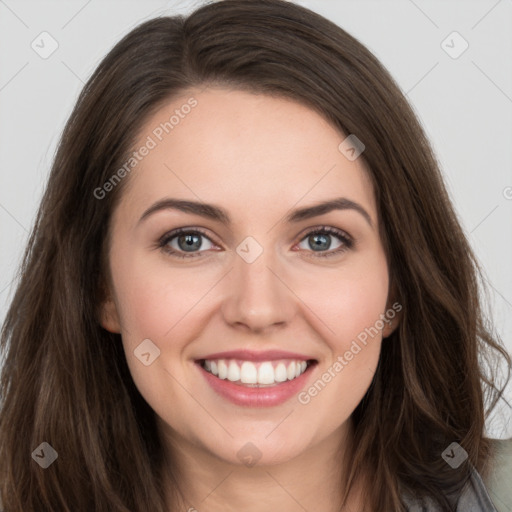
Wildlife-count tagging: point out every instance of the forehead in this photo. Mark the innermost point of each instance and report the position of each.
(237, 148)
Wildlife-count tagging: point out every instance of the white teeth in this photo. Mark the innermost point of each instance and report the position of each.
(223, 369)
(280, 373)
(233, 372)
(248, 372)
(291, 370)
(266, 374)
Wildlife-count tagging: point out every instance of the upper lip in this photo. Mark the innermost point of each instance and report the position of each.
(252, 355)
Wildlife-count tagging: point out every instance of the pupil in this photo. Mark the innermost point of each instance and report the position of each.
(324, 242)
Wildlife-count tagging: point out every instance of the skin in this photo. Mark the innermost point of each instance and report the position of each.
(236, 149)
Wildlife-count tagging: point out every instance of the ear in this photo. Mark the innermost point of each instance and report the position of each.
(108, 313)
(391, 324)
(109, 317)
(393, 313)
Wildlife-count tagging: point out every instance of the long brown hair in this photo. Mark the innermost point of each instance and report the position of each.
(65, 379)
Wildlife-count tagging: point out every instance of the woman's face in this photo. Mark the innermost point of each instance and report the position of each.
(254, 293)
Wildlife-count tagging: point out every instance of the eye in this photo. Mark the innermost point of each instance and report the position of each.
(185, 243)
(189, 243)
(319, 239)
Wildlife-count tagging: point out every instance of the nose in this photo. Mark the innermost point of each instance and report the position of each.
(258, 297)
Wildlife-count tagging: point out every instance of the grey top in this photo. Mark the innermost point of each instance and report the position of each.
(494, 495)
(474, 498)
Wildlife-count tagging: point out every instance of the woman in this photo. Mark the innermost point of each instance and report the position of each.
(247, 289)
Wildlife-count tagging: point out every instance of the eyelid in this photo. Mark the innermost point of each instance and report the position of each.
(329, 229)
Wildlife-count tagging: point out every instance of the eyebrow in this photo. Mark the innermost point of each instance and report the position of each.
(217, 213)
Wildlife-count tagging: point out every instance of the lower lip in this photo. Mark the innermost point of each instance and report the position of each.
(257, 397)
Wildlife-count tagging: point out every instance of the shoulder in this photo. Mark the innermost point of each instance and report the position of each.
(498, 481)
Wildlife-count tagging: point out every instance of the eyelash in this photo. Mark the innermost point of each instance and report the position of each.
(347, 241)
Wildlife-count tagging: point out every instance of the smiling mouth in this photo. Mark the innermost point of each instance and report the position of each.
(256, 374)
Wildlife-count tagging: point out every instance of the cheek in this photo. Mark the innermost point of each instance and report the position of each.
(346, 300)
(348, 303)
(354, 324)
(155, 298)
(358, 309)
(158, 303)
(344, 377)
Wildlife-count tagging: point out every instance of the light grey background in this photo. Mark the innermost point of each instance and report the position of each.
(464, 103)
